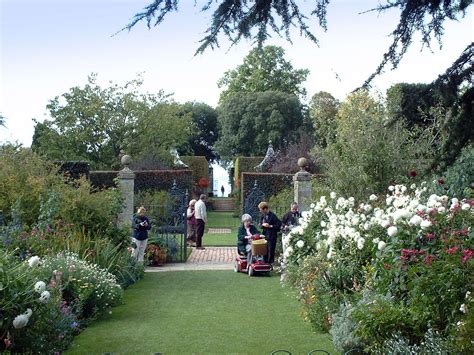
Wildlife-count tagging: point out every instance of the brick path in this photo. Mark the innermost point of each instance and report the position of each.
(219, 230)
(211, 258)
(213, 255)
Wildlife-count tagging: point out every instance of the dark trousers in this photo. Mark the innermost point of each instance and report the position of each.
(199, 232)
(271, 245)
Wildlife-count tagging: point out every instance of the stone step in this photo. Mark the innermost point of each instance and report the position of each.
(224, 204)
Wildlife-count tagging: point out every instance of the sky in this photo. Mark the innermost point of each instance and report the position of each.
(49, 46)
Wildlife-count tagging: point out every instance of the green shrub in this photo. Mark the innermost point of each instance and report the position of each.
(342, 330)
(244, 165)
(369, 152)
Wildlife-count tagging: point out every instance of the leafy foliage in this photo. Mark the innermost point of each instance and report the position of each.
(323, 108)
(249, 121)
(263, 69)
(205, 130)
(97, 124)
(368, 152)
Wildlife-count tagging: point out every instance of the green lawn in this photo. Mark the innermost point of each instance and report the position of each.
(203, 312)
(221, 220)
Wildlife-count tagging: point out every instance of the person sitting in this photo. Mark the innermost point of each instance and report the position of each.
(244, 234)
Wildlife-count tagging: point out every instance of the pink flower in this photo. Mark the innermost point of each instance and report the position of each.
(467, 254)
(430, 236)
(453, 250)
(428, 260)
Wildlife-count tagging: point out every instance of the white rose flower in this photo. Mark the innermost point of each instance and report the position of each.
(34, 261)
(300, 244)
(391, 231)
(333, 195)
(441, 209)
(375, 240)
(373, 197)
(385, 223)
(389, 200)
(425, 224)
(463, 308)
(381, 245)
(323, 224)
(40, 286)
(413, 186)
(391, 188)
(415, 220)
(45, 296)
(360, 243)
(403, 189)
(20, 321)
(454, 201)
(465, 206)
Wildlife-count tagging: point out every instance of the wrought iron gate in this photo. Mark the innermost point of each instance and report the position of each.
(169, 224)
(252, 200)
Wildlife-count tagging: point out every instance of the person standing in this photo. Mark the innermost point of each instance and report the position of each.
(141, 225)
(271, 226)
(222, 190)
(191, 222)
(290, 219)
(200, 214)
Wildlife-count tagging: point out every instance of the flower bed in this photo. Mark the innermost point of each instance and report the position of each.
(391, 273)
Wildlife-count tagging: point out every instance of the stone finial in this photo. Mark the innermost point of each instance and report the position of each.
(303, 164)
(126, 160)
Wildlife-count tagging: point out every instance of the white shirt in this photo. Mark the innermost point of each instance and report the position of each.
(200, 210)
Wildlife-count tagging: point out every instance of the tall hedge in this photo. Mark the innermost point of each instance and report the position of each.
(199, 166)
(244, 165)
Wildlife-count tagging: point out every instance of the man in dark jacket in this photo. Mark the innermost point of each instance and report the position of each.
(271, 226)
(141, 225)
(290, 219)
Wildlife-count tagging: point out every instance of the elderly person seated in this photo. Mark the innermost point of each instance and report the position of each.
(244, 234)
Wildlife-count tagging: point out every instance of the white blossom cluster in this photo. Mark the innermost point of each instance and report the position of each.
(69, 266)
(340, 222)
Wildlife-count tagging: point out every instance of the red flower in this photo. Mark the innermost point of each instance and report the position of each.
(203, 182)
(441, 181)
(413, 173)
(430, 236)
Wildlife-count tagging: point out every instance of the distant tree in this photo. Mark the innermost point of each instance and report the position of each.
(286, 160)
(158, 129)
(264, 69)
(97, 124)
(205, 132)
(411, 103)
(2, 121)
(249, 121)
(322, 111)
(238, 19)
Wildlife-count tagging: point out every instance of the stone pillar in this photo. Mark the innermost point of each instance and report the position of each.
(127, 188)
(303, 186)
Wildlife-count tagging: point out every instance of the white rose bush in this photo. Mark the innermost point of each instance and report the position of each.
(408, 254)
(45, 301)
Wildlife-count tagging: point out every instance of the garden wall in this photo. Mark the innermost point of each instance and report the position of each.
(147, 179)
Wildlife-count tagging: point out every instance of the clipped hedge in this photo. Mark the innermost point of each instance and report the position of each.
(74, 169)
(102, 179)
(147, 179)
(244, 165)
(199, 166)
